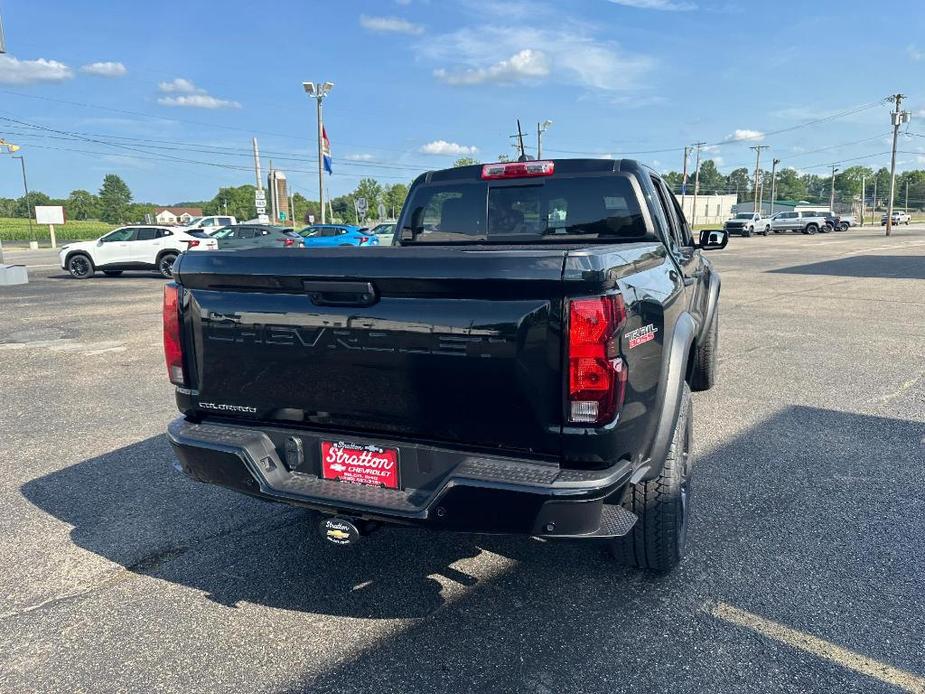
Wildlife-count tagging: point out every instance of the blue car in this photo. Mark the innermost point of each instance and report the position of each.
(329, 235)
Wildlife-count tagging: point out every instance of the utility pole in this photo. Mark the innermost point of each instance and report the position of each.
(863, 197)
(520, 140)
(684, 179)
(907, 197)
(757, 149)
(897, 117)
(832, 193)
(774, 163)
(540, 129)
(257, 165)
(25, 185)
(271, 184)
(873, 212)
(318, 92)
(698, 145)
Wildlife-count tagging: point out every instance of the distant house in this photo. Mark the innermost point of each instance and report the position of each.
(176, 215)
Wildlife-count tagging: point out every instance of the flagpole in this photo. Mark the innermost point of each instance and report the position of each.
(320, 160)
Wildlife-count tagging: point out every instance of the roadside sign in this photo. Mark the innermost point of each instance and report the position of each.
(361, 205)
(381, 211)
(49, 214)
(311, 219)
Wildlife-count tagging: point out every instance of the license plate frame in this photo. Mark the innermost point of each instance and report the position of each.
(366, 464)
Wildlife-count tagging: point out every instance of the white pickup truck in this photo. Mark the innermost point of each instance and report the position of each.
(898, 218)
(746, 224)
(211, 223)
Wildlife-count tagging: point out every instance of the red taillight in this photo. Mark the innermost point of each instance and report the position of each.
(173, 349)
(596, 373)
(518, 169)
(193, 243)
(363, 239)
(288, 242)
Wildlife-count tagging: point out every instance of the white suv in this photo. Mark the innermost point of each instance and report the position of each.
(132, 248)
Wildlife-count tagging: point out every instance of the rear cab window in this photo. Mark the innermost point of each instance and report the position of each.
(528, 210)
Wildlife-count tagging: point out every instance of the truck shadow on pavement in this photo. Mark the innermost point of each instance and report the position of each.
(814, 519)
(879, 266)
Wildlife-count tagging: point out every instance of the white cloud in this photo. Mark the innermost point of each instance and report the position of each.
(914, 53)
(745, 135)
(104, 69)
(393, 25)
(525, 64)
(190, 96)
(447, 148)
(718, 161)
(360, 157)
(666, 5)
(569, 54)
(179, 85)
(15, 71)
(197, 101)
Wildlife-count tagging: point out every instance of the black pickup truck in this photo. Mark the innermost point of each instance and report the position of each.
(520, 360)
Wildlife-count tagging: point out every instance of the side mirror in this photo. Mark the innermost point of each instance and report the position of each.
(713, 239)
(99, 242)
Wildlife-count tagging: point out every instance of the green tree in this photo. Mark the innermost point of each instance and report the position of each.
(115, 197)
(739, 180)
(790, 186)
(371, 190)
(25, 208)
(302, 208)
(465, 161)
(82, 204)
(395, 198)
(848, 182)
(882, 182)
(711, 180)
(237, 200)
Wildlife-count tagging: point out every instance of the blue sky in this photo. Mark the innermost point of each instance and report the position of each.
(419, 83)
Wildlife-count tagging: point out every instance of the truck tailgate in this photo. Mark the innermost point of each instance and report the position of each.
(436, 344)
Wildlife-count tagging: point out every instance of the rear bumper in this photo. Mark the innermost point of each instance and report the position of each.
(451, 490)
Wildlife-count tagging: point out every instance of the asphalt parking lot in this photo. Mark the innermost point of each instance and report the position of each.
(806, 570)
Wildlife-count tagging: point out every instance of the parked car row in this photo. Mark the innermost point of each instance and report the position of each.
(804, 221)
(155, 247)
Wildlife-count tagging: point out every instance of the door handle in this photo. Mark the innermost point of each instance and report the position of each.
(338, 293)
(688, 281)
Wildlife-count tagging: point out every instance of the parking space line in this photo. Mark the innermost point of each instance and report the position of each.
(820, 648)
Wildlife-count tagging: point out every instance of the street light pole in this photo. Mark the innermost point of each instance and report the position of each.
(25, 185)
(540, 129)
(318, 92)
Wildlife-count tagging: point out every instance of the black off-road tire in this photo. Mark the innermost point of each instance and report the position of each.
(703, 376)
(811, 229)
(767, 230)
(658, 540)
(112, 273)
(165, 265)
(80, 266)
(843, 226)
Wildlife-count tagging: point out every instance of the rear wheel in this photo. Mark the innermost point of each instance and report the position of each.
(826, 228)
(658, 540)
(811, 229)
(843, 226)
(165, 265)
(80, 266)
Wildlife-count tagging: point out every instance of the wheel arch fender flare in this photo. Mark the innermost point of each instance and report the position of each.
(79, 251)
(711, 304)
(675, 357)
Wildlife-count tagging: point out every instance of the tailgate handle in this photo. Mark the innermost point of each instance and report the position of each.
(324, 293)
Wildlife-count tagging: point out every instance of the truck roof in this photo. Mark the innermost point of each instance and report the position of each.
(562, 166)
